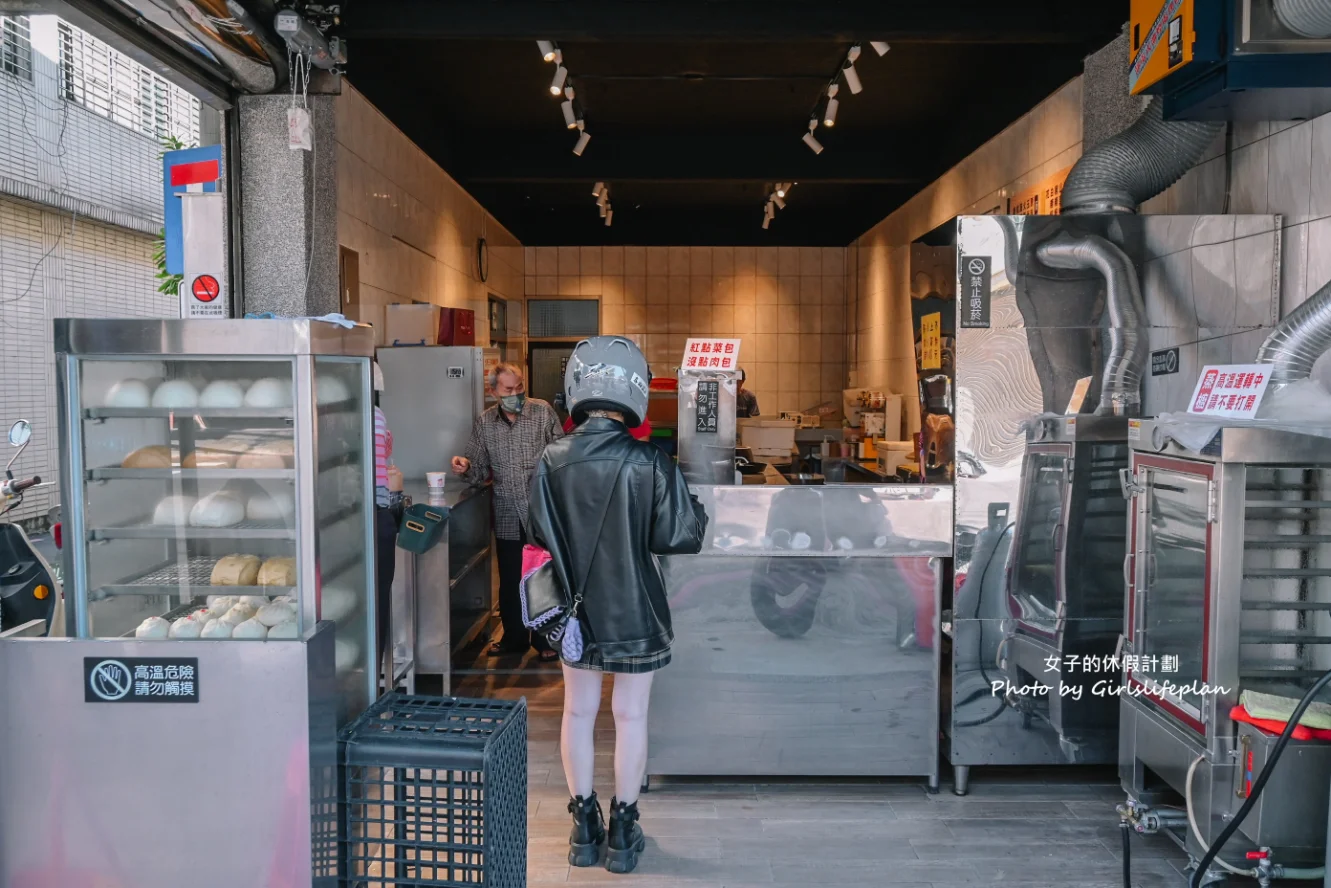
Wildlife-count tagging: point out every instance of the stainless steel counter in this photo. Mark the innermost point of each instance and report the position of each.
(444, 598)
(806, 639)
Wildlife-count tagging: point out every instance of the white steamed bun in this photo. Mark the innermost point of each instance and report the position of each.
(222, 393)
(153, 627)
(268, 392)
(216, 629)
(250, 629)
(129, 393)
(186, 627)
(176, 393)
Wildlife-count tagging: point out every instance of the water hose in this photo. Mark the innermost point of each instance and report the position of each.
(1257, 786)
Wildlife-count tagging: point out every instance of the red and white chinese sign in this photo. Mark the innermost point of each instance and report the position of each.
(1233, 391)
(711, 354)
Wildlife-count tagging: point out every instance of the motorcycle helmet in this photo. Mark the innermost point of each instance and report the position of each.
(607, 373)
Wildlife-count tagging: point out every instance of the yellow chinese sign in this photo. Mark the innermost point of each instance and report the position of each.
(1042, 199)
(931, 341)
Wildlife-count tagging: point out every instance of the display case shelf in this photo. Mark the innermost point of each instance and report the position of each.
(245, 530)
(286, 413)
(192, 577)
(116, 473)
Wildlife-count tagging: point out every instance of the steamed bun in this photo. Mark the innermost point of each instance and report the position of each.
(269, 392)
(186, 627)
(129, 393)
(153, 627)
(216, 629)
(330, 390)
(222, 393)
(176, 393)
(252, 629)
(287, 629)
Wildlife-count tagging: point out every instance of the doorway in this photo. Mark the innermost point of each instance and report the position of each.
(545, 372)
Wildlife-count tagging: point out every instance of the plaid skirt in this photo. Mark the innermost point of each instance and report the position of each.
(594, 662)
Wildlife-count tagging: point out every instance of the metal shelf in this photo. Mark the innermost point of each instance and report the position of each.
(245, 530)
(1287, 606)
(192, 577)
(120, 474)
(286, 413)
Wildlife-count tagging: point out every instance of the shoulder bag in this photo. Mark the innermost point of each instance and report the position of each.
(549, 608)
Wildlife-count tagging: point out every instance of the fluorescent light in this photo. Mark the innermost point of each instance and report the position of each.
(880, 46)
(597, 189)
(570, 119)
(547, 50)
(776, 199)
(561, 74)
(583, 138)
(852, 79)
(813, 143)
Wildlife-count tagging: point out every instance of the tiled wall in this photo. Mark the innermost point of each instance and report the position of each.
(1044, 141)
(786, 304)
(1279, 167)
(414, 228)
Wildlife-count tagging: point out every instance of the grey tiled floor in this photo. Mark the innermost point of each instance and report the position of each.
(1048, 829)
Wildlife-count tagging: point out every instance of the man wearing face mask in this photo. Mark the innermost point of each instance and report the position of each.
(506, 444)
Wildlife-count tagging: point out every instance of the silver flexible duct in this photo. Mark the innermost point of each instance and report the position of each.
(1121, 389)
(1308, 18)
(1134, 166)
(1299, 340)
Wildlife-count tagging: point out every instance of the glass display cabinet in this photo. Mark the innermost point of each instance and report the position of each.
(218, 484)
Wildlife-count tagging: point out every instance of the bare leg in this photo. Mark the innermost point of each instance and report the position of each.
(582, 700)
(629, 701)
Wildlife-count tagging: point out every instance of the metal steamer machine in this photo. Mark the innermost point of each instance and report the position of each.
(1228, 575)
(1051, 347)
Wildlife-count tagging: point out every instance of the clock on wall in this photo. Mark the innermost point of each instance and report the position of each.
(482, 259)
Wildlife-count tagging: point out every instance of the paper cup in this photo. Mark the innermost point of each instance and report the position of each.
(435, 480)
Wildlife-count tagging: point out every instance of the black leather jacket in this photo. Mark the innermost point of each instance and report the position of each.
(651, 512)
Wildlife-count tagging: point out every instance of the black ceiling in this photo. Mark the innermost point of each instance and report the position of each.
(696, 106)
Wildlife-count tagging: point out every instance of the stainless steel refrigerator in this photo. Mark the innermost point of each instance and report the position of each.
(432, 396)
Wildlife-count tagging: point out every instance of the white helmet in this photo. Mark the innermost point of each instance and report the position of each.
(607, 373)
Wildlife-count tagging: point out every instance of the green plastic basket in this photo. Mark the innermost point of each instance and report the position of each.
(422, 527)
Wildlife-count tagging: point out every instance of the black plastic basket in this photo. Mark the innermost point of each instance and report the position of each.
(435, 794)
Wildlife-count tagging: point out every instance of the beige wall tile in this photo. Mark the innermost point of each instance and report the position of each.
(700, 320)
(530, 285)
(788, 290)
(591, 284)
(746, 261)
(547, 285)
(788, 378)
(569, 263)
(635, 260)
(834, 290)
(811, 290)
(635, 289)
(635, 319)
(811, 351)
(658, 260)
(680, 320)
(811, 319)
(679, 289)
(746, 319)
(700, 260)
(612, 260)
(788, 318)
(766, 345)
(788, 260)
(746, 290)
(589, 260)
(658, 319)
(834, 261)
(723, 261)
(700, 290)
(833, 378)
(723, 320)
(677, 260)
(834, 319)
(765, 290)
(658, 289)
(768, 262)
(612, 318)
(834, 346)
(612, 289)
(723, 290)
(768, 320)
(811, 261)
(570, 285)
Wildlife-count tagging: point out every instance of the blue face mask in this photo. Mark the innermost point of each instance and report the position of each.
(513, 403)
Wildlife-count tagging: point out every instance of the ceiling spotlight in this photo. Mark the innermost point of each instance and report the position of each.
(783, 187)
(853, 54)
(568, 92)
(547, 50)
(880, 46)
(583, 138)
(601, 208)
(813, 143)
(852, 79)
(597, 188)
(603, 198)
(570, 119)
(561, 74)
(829, 115)
(609, 217)
(776, 199)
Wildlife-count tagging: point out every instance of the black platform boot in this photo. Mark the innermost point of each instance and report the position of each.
(584, 842)
(625, 840)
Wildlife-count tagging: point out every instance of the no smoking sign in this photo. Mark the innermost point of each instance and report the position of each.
(201, 297)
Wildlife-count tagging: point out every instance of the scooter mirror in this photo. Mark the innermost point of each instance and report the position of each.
(20, 432)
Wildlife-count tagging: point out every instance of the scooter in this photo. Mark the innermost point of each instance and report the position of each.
(29, 593)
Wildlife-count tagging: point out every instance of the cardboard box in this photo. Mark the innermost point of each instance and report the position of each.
(367, 313)
(411, 325)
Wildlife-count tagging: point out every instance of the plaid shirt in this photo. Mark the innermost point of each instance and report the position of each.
(508, 452)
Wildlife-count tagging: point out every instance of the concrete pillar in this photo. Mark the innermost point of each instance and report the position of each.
(1106, 106)
(289, 209)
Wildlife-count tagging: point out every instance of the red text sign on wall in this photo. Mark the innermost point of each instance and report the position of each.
(1233, 391)
(711, 354)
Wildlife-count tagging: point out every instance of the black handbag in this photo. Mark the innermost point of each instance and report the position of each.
(547, 606)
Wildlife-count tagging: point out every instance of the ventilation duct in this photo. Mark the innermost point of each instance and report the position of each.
(1299, 340)
(1307, 18)
(1120, 390)
(1124, 171)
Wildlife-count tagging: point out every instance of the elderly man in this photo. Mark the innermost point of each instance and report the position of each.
(506, 443)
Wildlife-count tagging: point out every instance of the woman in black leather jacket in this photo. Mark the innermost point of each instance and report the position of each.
(600, 477)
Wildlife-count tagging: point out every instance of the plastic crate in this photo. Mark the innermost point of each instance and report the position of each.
(435, 794)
